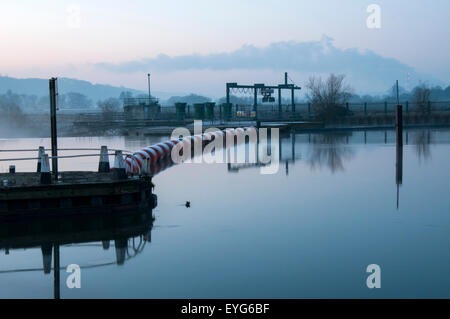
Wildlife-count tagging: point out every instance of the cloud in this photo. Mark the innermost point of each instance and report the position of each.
(315, 56)
(370, 70)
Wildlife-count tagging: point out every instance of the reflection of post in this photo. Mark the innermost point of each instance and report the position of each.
(293, 146)
(105, 244)
(399, 124)
(56, 271)
(399, 170)
(121, 249)
(279, 143)
(399, 150)
(47, 257)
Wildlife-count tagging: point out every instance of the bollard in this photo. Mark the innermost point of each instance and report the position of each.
(119, 166)
(12, 169)
(199, 111)
(46, 176)
(40, 153)
(210, 110)
(103, 165)
(227, 111)
(180, 111)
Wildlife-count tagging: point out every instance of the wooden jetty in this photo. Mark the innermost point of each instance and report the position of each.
(23, 194)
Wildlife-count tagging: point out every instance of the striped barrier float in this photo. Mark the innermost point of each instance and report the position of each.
(154, 159)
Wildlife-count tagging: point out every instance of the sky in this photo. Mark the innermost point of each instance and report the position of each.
(198, 45)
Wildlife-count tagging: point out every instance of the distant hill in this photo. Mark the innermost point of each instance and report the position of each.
(39, 87)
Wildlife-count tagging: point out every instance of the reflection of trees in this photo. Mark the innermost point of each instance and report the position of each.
(329, 150)
(422, 141)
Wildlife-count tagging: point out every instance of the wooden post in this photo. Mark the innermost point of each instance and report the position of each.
(53, 87)
(255, 99)
(399, 149)
(279, 103)
(292, 101)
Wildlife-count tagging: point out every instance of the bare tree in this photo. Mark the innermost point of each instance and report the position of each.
(421, 97)
(109, 107)
(329, 96)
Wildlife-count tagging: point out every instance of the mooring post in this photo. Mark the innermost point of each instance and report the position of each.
(119, 166)
(399, 121)
(53, 86)
(279, 102)
(103, 165)
(40, 154)
(292, 101)
(399, 147)
(46, 176)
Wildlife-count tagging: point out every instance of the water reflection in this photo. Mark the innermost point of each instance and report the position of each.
(330, 150)
(130, 232)
(422, 141)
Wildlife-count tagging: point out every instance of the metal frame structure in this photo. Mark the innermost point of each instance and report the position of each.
(262, 88)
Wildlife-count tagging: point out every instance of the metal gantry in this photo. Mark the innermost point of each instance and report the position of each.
(266, 91)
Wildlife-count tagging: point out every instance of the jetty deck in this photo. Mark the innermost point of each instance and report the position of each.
(24, 194)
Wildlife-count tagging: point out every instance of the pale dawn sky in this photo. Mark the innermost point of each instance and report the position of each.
(78, 38)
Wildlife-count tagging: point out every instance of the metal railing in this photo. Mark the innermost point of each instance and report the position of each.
(265, 112)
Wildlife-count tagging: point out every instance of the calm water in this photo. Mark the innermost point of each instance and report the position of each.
(308, 231)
